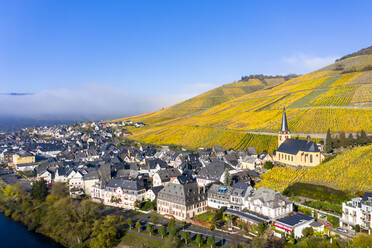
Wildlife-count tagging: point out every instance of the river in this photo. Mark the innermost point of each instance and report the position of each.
(15, 235)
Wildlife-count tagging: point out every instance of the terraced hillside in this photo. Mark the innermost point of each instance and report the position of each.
(338, 97)
(350, 171)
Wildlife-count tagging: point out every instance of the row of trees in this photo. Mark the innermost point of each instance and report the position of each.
(262, 77)
(344, 141)
(173, 232)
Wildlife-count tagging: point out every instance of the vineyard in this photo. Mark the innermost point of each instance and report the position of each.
(262, 143)
(340, 96)
(350, 171)
(329, 98)
(194, 137)
(347, 78)
(363, 95)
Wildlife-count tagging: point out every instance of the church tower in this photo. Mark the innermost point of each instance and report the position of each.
(284, 132)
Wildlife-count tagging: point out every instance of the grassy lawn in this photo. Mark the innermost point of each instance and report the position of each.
(131, 240)
(207, 216)
(316, 192)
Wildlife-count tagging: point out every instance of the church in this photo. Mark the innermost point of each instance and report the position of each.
(296, 152)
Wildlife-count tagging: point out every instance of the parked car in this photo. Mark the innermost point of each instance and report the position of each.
(341, 230)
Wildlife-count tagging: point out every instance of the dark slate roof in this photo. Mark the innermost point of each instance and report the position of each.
(62, 171)
(262, 155)
(157, 189)
(251, 151)
(126, 184)
(219, 191)
(184, 194)
(152, 164)
(185, 178)
(293, 146)
(293, 220)
(248, 216)
(240, 188)
(213, 171)
(167, 174)
(92, 174)
(367, 196)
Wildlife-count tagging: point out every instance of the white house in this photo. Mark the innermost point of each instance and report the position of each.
(121, 193)
(46, 175)
(152, 193)
(89, 180)
(76, 181)
(358, 211)
(163, 177)
(269, 203)
(219, 196)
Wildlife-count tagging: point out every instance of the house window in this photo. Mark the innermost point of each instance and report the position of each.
(311, 158)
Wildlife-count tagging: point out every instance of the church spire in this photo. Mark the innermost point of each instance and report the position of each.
(284, 126)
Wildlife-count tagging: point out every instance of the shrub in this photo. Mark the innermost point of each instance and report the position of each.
(268, 165)
(307, 232)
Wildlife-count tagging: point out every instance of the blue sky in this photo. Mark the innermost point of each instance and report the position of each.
(159, 52)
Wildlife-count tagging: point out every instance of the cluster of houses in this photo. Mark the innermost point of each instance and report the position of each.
(183, 184)
(127, 123)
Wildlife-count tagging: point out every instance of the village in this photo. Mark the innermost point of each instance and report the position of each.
(197, 187)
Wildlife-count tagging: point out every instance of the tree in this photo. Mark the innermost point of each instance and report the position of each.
(105, 234)
(59, 190)
(39, 190)
(328, 142)
(121, 220)
(154, 219)
(350, 140)
(357, 228)
(307, 232)
(199, 240)
(210, 242)
(227, 178)
(363, 139)
(268, 165)
(186, 236)
(171, 224)
(150, 229)
(138, 226)
(343, 141)
(173, 232)
(261, 228)
(130, 222)
(162, 231)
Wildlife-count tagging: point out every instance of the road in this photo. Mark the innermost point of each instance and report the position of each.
(312, 135)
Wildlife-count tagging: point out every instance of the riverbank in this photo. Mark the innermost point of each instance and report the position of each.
(70, 223)
(17, 235)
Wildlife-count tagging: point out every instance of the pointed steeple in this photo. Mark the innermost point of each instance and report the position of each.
(284, 126)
